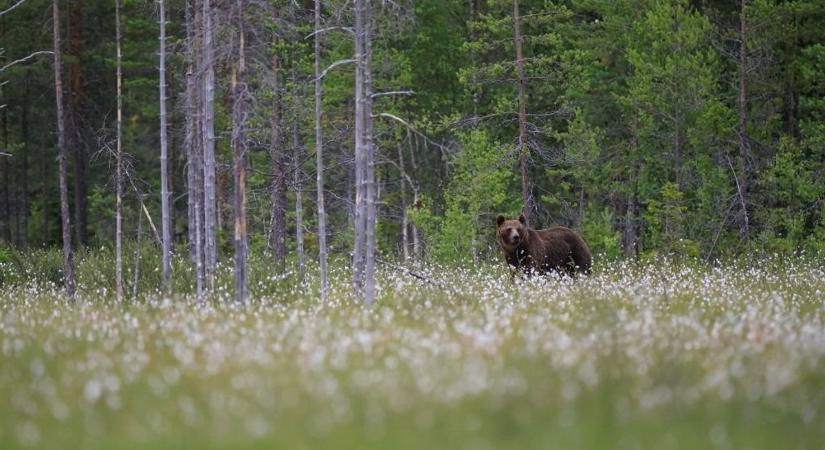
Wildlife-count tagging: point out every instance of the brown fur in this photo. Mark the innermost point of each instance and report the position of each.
(556, 249)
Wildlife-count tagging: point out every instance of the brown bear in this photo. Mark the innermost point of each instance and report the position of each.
(556, 249)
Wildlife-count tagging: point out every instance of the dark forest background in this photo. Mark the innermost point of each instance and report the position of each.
(652, 127)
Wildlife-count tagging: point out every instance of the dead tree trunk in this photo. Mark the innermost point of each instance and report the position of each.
(194, 142)
(405, 247)
(358, 262)
(297, 157)
(119, 163)
(319, 160)
(166, 225)
(239, 146)
(23, 212)
(744, 151)
(68, 266)
(208, 132)
(416, 201)
(523, 149)
(365, 207)
(277, 232)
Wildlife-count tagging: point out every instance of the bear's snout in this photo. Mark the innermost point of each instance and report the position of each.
(513, 237)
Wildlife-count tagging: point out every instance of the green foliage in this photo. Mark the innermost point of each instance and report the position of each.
(479, 189)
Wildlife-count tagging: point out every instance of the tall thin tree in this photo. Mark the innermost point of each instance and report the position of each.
(277, 232)
(68, 265)
(365, 215)
(742, 101)
(319, 159)
(208, 131)
(119, 161)
(166, 225)
(523, 148)
(239, 146)
(297, 158)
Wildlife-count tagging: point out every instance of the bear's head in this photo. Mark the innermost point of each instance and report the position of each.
(511, 232)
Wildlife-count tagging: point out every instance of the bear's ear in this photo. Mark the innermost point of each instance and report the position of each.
(500, 220)
(522, 219)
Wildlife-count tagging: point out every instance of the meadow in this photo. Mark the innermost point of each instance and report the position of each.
(658, 355)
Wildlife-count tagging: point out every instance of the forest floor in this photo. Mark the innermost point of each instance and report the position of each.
(652, 356)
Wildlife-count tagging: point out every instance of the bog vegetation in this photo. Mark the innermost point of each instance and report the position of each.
(664, 355)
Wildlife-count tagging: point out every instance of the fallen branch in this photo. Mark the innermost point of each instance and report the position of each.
(414, 275)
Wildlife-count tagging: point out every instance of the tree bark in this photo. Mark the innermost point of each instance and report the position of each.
(209, 163)
(76, 99)
(358, 257)
(23, 212)
(402, 176)
(744, 151)
(319, 160)
(523, 149)
(297, 158)
(166, 225)
(5, 164)
(277, 234)
(68, 266)
(239, 146)
(119, 163)
(194, 142)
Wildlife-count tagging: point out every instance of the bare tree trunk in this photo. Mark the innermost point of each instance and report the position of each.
(523, 149)
(119, 163)
(371, 207)
(45, 174)
(68, 266)
(405, 247)
(412, 140)
(138, 235)
(164, 166)
(194, 142)
(277, 234)
(5, 220)
(76, 100)
(208, 130)
(23, 212)
(239, 145)
(631, 238)
(358, 262)
(319, 160)
(744, 151)
(297, 156)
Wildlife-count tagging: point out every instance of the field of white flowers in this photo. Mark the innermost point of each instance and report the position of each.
(659, 356)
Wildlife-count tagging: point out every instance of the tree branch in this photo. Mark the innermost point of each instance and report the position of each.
(11, 8)
(24, 59)
(383, 94)
(340, 62)
(324, 30)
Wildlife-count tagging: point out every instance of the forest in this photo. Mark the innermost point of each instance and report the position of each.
(298, 130)
(264, 224)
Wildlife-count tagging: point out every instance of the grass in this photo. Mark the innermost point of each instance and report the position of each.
(658, 356)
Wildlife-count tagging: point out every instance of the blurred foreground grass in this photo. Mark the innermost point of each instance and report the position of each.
(658, 356)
